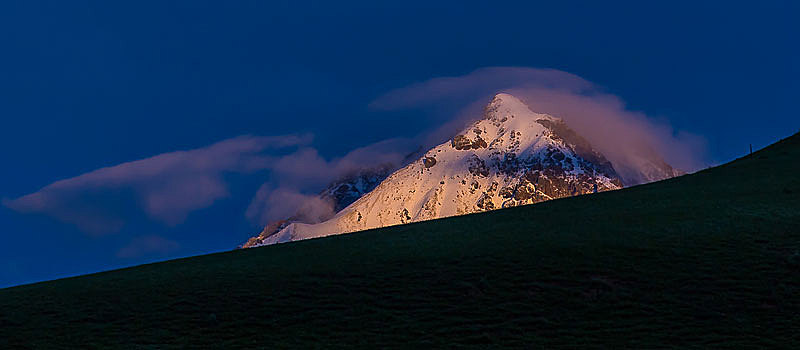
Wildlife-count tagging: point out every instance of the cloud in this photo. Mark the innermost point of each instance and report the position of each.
(477, 84)
(271, 204)
(297, 178)
(167, 186)
(146, 245)
(307, 167)
(627, 138)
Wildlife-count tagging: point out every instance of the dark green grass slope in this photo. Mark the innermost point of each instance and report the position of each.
(704, 260)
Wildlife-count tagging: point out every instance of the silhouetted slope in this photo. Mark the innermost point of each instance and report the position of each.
(710, 259)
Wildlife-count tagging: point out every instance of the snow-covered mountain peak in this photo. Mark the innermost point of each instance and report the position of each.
(512, 156)
(507, 104)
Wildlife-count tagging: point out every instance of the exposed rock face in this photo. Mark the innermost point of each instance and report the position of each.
(270, 229)
(461, 142)
(511, 157)
(428, 161)
(351, 187)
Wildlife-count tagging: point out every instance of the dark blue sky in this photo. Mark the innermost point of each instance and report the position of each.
(85, 85)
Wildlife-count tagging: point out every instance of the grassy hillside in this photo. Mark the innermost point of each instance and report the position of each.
(707, 260)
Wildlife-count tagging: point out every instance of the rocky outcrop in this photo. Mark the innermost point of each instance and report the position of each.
(270, 229)
(461, 142)
(428, 162)
(477, 166)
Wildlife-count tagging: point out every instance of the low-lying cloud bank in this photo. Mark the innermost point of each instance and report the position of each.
(167, 187)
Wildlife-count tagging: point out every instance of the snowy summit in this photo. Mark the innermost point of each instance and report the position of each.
(512, 156)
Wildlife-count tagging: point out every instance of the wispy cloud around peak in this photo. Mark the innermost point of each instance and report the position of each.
(622, 135)
(477, 84)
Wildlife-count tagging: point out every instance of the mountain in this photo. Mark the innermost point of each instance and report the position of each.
(512, 156)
